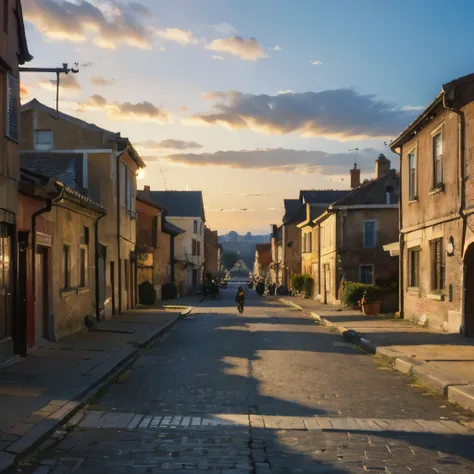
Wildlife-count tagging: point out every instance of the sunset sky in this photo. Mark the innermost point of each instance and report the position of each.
(250, 100)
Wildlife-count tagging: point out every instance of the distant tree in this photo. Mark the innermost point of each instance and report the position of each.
(229, 259)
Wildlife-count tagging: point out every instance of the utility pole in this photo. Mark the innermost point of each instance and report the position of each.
(54, 70)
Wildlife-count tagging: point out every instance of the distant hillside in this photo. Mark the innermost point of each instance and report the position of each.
(243, 245)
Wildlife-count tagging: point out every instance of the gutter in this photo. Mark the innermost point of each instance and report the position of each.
(49, 205)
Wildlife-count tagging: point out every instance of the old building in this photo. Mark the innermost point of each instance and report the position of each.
(276, 266)
(263, 259)
(315, 203)
(58, 285)
(351, 233)
(436, 213)
(155, 245)
(105, 166)
(186, 211)
(13, 52)
(211, 251)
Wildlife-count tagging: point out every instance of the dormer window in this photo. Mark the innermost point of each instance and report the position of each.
(43, 140)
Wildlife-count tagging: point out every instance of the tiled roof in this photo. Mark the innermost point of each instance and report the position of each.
(373, 192)
(178, 203)
(322, 196)
(65, 167)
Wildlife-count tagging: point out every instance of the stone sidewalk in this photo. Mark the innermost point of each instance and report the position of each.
(443, 361)
(39, 392)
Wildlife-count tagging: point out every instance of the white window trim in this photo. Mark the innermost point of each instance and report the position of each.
(375, 233)
(413, 150)
(373, 272)
(439, 130)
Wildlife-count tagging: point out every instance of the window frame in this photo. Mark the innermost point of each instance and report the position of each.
(437, 268)
(413, 179)
(66, 267)
(374, 234)
(195, 226)
(83, 267)
(372, 266)
(194, 248)
(41, 146)
(436, 163)
(413, 273)
(6, 15)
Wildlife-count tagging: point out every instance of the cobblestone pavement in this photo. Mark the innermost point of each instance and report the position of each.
(265, 392)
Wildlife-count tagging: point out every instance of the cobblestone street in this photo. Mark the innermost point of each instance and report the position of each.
(268, 391)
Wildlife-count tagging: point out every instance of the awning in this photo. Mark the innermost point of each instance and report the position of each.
(393, 249)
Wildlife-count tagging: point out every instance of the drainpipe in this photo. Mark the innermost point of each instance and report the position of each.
(119, 262)
(96, 257)
(45, 210)
(401, 281)
(462, 190)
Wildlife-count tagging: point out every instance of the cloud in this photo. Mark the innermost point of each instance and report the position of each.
(224, 29)
(287, 91)
(217, 58)
(285, 160)
(409, 108)
(118, 111)
(339, 114)
(67, 83)
(183, 108)
(316, 63)
(247, 49)
(177, 35)
(276, 48)
(24, 92)
(109, 22)
(102, 81)
(169, 144)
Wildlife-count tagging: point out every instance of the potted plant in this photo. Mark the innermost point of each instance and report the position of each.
(370, 306)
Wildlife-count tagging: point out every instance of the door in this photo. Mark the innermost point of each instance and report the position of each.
(127, 283)
(326, 280)
(41, 293)
(195, 279)
(6, 280)
(469, 291)
(112, 287)
(102, 264)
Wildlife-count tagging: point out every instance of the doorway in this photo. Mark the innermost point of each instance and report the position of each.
(326, 280)
(112, 287)
(127, 283)
(195, 279)
(102, 266)
(469, 291)
(41, 294)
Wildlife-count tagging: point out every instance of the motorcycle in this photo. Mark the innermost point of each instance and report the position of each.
(240, 307)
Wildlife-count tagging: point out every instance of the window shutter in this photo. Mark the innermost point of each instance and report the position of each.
(13, 86)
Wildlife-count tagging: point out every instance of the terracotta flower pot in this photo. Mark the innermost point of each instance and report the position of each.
(372, 309)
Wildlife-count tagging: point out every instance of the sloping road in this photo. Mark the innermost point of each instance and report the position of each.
(268, 391)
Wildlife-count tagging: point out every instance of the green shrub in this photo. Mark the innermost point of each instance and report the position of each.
(297, 282)
(308, 286)
(146, 293)
(354, 292)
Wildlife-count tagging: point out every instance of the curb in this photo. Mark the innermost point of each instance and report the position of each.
(66, 409)
(455, 389)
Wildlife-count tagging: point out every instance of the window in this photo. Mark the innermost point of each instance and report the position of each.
(413, 268)
(194, 249)
(307, 243)
(198, 248)
(43, 140)
(6, 6)
(128, 189)
(412, 183)
(438, 160)
(83, 268)
(437, 265)
(195, 227)
(369, 235)
(13, 100)
(200, 229)
(367, 274)
(66, 267)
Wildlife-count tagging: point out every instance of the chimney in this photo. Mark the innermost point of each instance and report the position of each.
(382, 166)
(355, 177)
(146, 189)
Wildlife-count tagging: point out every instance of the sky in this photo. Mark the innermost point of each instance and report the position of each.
(249, 101)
